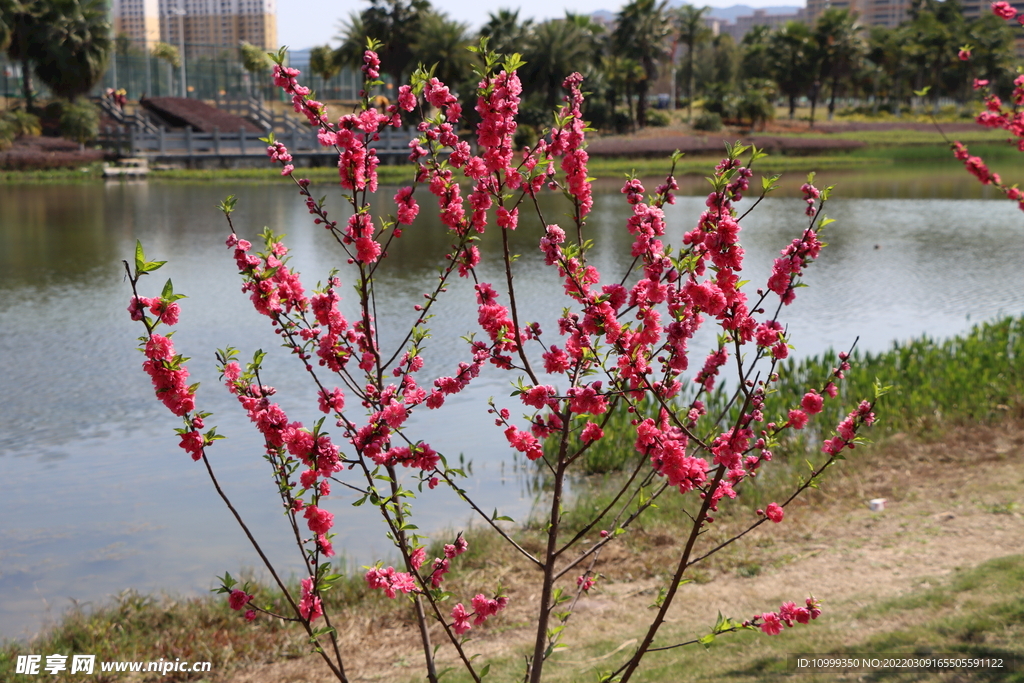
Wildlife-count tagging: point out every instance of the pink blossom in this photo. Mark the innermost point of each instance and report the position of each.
(812, 403)
(592, 432)
(238, 599)
(460, 618)
(1003, 10)
(320, 521)
(406, 100)
(192, 442)
(407, 207)
(797, 419)
(310, 606)
(774, 512)
(964, 55)
(486, 607)
(771, 624)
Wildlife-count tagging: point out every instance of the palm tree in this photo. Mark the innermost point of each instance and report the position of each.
(22, 24)
(622, 75)
(935, 32)
(443, 42)
(640, 35)
(840, 48)
(505, 33)
(6, 9)
(789, 54)
(396, 24)
(556, 48)
(68, 42)
(692, 32)
(992, 55)
(755, 51)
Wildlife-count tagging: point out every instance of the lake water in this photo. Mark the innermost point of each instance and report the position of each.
(97, 496)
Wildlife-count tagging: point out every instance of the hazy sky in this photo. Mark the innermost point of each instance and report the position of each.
(315, 22)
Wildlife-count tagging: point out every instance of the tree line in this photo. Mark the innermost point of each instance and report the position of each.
(65, 43)
(832, 59)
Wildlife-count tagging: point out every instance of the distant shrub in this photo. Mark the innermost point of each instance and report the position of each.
(658, 118)
(16, 123)
(6, 133)
(709, 121)
(80, 121)
(23, 123)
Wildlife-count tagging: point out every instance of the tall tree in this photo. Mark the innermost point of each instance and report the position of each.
(755, 48)
(840, 48)
(396, 24)
(68, 42)
(22, 21)
(622, 74)
(6, 10)
(935, 33)
(257, 63)
(789, 55)
(443, 42)
(692, 32)
(505, 33)
(992, 48)
(640, 34)
(322, 62)
(556, 48)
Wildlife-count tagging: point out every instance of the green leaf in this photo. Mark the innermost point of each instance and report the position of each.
(140, 257)
(228, 205)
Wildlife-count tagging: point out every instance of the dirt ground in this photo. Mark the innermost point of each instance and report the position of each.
(951, 504)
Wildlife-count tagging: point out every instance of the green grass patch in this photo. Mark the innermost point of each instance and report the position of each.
(977, 377)
(135, 627)
(981, 614)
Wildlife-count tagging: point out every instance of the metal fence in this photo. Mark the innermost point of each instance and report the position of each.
(127, 141)
(211, 73)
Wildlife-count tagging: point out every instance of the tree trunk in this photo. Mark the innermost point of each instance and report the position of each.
(641, 104)
(792, 107)
(629, 106)
(832, 98)
(814, 99)
(689, 86)
(26, 85)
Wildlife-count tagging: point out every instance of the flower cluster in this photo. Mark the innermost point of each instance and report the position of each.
(994, 116)
(772, 622)
(272, 286)
(483, 607)
(169, 375)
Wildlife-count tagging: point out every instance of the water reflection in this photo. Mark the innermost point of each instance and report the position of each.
(98, 497)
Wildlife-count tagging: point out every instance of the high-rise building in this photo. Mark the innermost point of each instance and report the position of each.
(815, 8)
(137, 19)
(218, 23)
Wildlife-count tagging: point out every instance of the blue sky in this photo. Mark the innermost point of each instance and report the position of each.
(315, 22)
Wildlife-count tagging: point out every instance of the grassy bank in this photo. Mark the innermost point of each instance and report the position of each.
(938, 388)
(882, 148)
(975, 612)
(936, 385)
